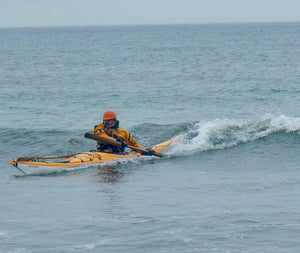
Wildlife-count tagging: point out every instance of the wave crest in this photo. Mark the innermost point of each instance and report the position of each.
(226, 133)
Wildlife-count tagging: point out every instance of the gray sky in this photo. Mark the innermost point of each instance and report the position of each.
(20, 13)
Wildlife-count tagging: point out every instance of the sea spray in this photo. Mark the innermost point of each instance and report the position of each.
(226, 133)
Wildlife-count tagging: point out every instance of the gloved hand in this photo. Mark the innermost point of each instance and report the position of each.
(124, 144)
(149, 151)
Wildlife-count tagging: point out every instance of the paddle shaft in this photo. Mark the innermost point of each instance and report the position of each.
(118, 144)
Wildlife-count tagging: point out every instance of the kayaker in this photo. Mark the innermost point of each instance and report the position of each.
(110, 128)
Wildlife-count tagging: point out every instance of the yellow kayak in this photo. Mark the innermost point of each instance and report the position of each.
(54, 164)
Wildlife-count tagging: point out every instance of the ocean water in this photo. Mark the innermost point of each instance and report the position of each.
(231, 181)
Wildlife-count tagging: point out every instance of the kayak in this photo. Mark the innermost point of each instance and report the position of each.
(56, 164)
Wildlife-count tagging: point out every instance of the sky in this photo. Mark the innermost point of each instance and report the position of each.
(39, 13)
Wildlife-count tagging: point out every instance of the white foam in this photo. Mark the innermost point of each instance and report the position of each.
(225, 133)
(284, 123)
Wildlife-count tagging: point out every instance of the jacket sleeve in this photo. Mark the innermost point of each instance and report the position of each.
(127, 137)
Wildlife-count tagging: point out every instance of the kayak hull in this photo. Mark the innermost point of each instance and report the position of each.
(77, 161)
(47, 165)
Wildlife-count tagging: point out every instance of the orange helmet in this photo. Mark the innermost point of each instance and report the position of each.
(109, 115)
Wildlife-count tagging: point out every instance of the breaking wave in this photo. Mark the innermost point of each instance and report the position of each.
(226, 133)
(191, 138)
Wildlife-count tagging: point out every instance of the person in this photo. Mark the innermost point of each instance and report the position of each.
(110, 128)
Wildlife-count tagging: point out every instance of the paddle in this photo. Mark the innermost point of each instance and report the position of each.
(119, 145)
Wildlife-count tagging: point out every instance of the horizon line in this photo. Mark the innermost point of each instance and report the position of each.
(150, 24)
